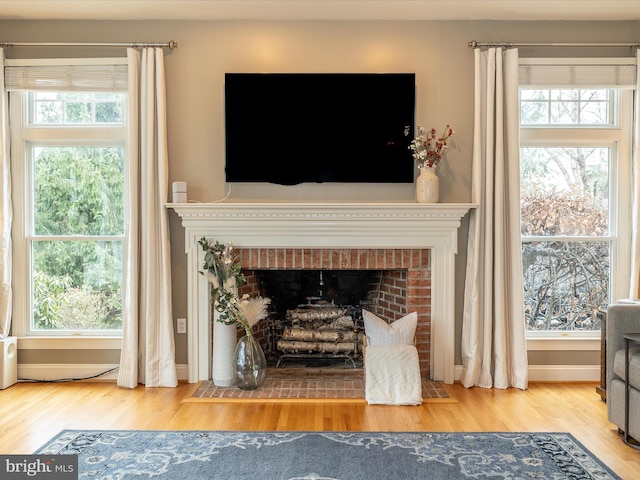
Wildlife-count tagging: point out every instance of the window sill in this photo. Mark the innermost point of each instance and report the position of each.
(69, 343)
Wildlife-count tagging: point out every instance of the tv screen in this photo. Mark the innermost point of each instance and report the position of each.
(289, 128)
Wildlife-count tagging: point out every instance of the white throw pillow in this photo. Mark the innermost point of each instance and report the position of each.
(379, 332)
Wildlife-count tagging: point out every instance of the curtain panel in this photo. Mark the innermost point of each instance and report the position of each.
(634, 290)
(6, 213)
(148, 350)
(494, 350)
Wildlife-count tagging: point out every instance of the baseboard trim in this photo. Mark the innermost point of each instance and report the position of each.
(556, 373)
(51, 372)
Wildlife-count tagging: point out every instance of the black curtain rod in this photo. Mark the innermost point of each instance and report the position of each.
(475, 44)
(170, 45)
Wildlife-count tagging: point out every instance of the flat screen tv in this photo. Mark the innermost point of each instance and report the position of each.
(291, 128)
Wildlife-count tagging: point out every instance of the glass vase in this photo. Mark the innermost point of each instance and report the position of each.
(250, 367)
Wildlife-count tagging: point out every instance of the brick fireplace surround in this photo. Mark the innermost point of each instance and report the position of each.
(421, 238)
(406, 285)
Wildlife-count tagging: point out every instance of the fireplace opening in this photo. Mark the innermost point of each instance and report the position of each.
(315, 316)
(290, 288)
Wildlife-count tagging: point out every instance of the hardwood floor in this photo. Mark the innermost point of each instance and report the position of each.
(32, 413)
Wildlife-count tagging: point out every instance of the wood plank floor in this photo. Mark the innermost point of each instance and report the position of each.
(32, 413)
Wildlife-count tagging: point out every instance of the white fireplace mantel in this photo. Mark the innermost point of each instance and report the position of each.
(325, 225)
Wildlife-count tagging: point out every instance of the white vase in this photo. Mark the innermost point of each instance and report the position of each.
(224, 344)
(427, 185)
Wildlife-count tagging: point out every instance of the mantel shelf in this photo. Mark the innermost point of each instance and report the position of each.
(381, 207)
(355, 220)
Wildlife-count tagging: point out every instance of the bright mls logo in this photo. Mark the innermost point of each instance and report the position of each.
(51, 467)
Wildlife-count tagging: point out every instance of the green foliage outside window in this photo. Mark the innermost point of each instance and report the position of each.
(77, 108)
(78, 194)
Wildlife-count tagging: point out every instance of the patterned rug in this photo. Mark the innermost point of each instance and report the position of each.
(191, 455)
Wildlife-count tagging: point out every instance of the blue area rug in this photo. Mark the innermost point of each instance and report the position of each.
(190, 455)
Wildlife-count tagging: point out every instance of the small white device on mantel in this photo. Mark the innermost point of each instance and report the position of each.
(179, 192)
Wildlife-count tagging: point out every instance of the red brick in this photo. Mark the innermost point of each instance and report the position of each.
(308, 258)
(389, 258)
(264, 258)
(288, 259)
(280, 258)
(345, 258)
(363, 259)
(255, 258)
(355, 258)
(327, 258)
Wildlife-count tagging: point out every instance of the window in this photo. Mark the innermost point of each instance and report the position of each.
(68, 165)
(575, 195)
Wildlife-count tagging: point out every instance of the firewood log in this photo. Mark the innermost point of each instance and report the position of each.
(340, 323)
(310, 314)
(292, 333)
(314, 347)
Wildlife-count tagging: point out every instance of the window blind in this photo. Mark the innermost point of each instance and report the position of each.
(87, 75)
(579, 73)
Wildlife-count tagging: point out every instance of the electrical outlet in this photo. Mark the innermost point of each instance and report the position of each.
(181, 325)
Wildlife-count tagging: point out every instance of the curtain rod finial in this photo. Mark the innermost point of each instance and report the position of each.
(473, 44)
(173, 45)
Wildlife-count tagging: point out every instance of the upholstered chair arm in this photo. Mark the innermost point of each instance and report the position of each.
(621, 319)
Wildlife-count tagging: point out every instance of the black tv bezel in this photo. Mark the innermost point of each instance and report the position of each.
(383, 158)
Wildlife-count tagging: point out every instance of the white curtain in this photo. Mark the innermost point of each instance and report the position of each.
(148, 350)
(494, 350)
(5, 212)
(635, 252)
